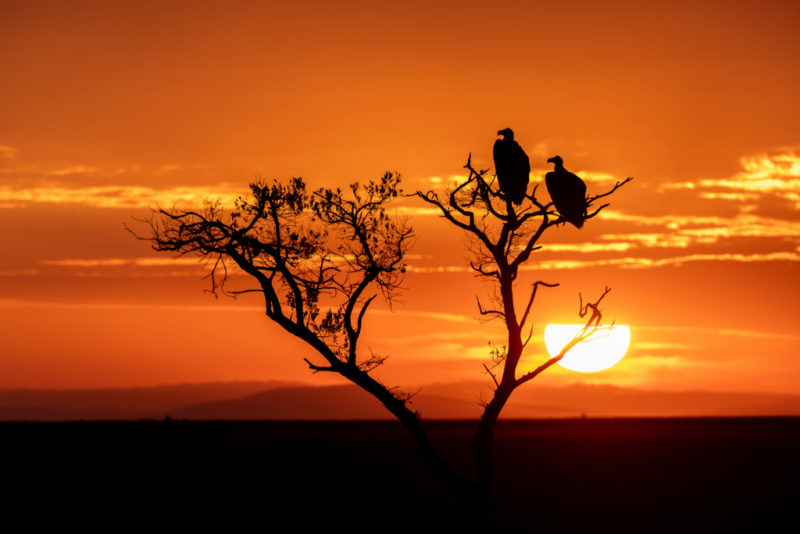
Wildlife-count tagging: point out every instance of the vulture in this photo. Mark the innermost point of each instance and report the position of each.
(512, 166)
(567, 191)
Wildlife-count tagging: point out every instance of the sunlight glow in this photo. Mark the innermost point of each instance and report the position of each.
(604, 349)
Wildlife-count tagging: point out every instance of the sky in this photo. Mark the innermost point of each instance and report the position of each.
(111, 109)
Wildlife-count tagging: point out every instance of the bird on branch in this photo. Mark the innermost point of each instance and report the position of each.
(567, 191)
(512, 166)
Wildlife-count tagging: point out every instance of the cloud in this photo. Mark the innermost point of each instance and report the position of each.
(721, 331)
(416, 211)
(442, 181)
(20, 272)
(624, 262)
(15, 303)
(658, 345)
(777, 174)
(438, 269)
(72, 170)
(115, 262)
(591, 176)
(449, 317)
(442, 345)
(745, 225)
(669, 221)
(686, 230)
(641, 263)
(117, 196)
(29, 183)
(651, 240)
(587, 247)
(730, 196)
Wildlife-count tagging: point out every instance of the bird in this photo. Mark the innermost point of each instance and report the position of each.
(567, 191)
(512, 166)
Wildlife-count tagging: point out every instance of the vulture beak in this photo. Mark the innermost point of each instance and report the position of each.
(551, 160)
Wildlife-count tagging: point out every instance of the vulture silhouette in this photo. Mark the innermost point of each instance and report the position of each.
(512, 166)
(567, 191)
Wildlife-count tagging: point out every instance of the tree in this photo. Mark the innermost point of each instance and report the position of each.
(320, 259)
(315, 257)
(502, 239)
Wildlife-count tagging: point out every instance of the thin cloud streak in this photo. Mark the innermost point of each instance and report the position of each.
(658, 345)
(72, 170)
(722, 331)
(641, 263)
(125, 197)
(453, 318)
(587, 247)
(20, 272)
(625, 262)
(652, 240)
(115, 262)
(14, 303)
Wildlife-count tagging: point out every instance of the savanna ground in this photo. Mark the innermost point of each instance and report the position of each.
(573, 475)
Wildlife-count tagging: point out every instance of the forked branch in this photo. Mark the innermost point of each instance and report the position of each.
(589, 329)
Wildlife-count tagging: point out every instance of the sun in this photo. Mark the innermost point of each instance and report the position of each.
(602, 350)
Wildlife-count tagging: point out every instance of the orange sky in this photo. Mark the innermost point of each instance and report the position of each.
(109, 109)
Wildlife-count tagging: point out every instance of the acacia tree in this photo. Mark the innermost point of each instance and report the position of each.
(320, 259)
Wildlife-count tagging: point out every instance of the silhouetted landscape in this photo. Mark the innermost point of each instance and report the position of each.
(571, 475)
(177, 467)
(364, 259)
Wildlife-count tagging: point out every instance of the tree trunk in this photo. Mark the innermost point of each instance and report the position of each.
(475, 513)
(484, 462)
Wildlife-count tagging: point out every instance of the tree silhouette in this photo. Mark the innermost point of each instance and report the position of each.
(320, 259)
(309, 252)
(502, 239)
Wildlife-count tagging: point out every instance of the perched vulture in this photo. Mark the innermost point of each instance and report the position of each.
(512, 166)
(567, 191)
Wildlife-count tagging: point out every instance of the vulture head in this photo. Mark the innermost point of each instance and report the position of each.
(508, 133)
(557, 160)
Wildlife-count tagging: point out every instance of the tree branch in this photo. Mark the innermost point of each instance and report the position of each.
(490, 373)
(317, 368)
(530, 300)
(488, 312)
(587, 331)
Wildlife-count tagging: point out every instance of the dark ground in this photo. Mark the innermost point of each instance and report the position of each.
(593, 475)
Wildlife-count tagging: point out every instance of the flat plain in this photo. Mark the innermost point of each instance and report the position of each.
(558, 475)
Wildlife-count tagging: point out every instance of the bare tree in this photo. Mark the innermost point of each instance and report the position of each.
(320, 259)
(502, 239)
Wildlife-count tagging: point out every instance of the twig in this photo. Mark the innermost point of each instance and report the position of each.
(490, 373)
(533, 296)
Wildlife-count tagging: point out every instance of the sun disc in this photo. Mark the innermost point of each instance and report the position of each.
(602, 350)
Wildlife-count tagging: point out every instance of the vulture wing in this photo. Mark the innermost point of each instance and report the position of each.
(568, 193)
(502, 164)
(513, 167)
(522, 170)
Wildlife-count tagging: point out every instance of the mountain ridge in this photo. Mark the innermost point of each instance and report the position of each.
(282, 400)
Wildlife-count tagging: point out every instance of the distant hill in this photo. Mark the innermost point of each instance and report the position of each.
(325, 402)
(120, 403)
(293, 401)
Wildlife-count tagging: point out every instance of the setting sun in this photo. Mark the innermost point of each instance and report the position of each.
(602, 350)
